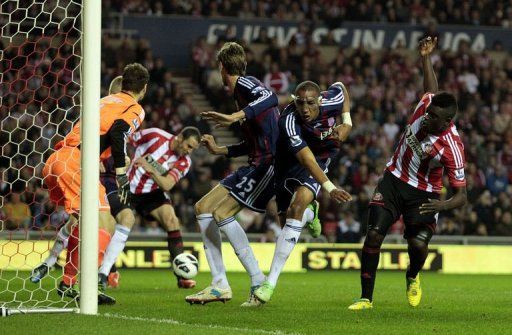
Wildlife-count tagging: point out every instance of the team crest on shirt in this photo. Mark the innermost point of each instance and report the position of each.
(377, 196)
(422, 150)
(427, 148)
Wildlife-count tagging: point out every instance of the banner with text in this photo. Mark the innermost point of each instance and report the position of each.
(173, 36)
(25, 255)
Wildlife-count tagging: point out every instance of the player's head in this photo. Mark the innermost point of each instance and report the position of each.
(440, 113)
(187, 141)
(116, 85)
(135, 80)
(232, 61)
(307, 100)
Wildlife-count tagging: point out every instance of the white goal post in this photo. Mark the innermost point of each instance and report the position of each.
(50, 63)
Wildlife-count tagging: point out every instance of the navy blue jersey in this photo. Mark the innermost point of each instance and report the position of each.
(295, 134)
(260, 129)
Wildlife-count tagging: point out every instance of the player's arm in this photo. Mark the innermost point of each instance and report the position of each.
(164, 180)
(233, 150)
(117, 133)
(453, 161)
(262, 99)
(459, 199)
(425, 47)
(307, 159)
(342, 131)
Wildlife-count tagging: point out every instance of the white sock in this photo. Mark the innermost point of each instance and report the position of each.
(240, 243)
(61, 243)
(284, 246)
(213, 249)
(309, 215)
(116, 245)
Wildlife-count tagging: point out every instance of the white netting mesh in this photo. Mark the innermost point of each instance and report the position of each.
(39, 102)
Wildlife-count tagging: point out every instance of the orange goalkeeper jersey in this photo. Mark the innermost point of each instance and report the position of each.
(120, 106)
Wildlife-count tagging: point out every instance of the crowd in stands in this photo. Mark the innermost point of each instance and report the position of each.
(332, 12)
(384, 87)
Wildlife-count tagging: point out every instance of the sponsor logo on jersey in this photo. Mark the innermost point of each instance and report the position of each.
(421, 150)
(327, 133)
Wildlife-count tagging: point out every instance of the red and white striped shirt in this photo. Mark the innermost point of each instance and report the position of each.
(421, 158)
(156, 143)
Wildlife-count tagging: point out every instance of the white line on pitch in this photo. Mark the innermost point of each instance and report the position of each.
(180, 323)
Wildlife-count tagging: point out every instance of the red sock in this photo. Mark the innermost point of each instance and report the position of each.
(72, 259)
(103, 241)
(72, 265)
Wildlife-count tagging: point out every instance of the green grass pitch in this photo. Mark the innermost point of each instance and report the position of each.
(148, 302)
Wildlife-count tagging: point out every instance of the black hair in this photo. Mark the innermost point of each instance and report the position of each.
(308, 86)
(447, 102)
(188, 132)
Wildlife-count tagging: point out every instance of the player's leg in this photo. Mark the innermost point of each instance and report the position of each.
(167, 218)
(60, 243)
(379, 221)
(210, 234)
(228, 224)
(125, 221)
(289, 236)
(219, 289)
(418, 232)
(418, 252)
(52, 171)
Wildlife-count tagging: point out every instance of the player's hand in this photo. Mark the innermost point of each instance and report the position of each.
(427, 45)
(431, 207)
(340, 195)
(127, 161)
(143, 162)
(123, 185)
(209, 142)
(341, 132)
(220, 120)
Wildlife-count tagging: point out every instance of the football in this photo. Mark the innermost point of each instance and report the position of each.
(185, 265)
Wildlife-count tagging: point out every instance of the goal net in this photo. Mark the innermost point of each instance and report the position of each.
(40, 100)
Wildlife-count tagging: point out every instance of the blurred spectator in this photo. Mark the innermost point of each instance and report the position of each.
(17, 213)
(349, 230)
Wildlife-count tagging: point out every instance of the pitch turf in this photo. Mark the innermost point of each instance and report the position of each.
(314, 303)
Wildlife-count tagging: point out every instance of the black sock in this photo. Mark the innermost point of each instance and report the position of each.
(418, 252)
(113, 269)
(174, 243)
(369, 263)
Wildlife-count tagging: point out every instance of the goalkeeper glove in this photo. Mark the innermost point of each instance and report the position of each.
(123, 185)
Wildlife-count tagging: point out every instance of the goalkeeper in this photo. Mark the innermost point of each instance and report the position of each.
(120, 114)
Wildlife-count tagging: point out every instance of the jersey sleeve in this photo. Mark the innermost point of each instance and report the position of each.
(180, 168)
(421, 107)
(133, 116)
(260, 98)
(453, 161)
(291, 131)
(236, 150)
(333, 97)
(140, 137)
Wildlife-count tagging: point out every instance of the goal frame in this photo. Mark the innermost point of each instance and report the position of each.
(90, 148)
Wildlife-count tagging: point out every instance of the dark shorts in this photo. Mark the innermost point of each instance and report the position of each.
(289, 178)
(145, 203)
(252, 186)
(109, 181)
(403, 199)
